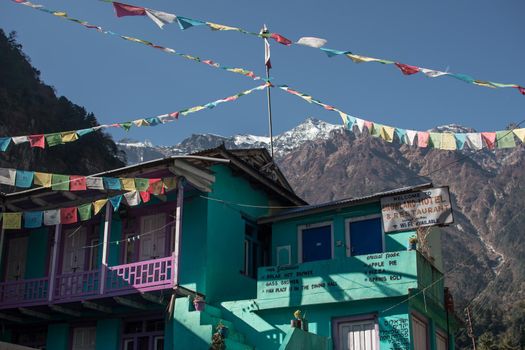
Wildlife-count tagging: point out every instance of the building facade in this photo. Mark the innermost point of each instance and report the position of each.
(127, 278)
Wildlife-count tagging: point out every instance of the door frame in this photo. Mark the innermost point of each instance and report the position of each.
(300, 229)
(348, 319)
(62, 248)
(362, 218)
(423, 319)
(8, 238)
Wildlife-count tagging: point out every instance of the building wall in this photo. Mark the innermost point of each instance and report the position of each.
(226, 227)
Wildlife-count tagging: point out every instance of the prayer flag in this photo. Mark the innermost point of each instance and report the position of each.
(153, 121)
(376, 130)
(360, 124)
(281, 39)
(185, 23)
(422, 138)
(521, 90)
(170, 183)
(435, 139)
(520, 133)
(463, 77)
(7, 176)
(95, 183)
(78, 183)
(24, 179)
(51, 217)
(132, 198)
(128, 184)
(97, 205)
(332, 52)
(432, 73)
(406, 69)
(115, 201)
(401, 135)
(141, 184)
(460, 140)
(4, 142)
(140, 122)
(128, 10)
(20, 139)
(489, 138)
(267, 61)
(474, 140)
(60, 182)
(411, 136)
(42, 179)
(145, 196)
(156, 186)
(215, 26)
(12, 221)
(69, 136)
(85, 211)
(111, 183)
(68, 215)
(311, 41)
(160, 18)
(505, 139)
(387, 133)
(53, 139)
(369, 125)
(126, 126)
(448, 141)
(37, 141)
(33, 219)
(83, 132)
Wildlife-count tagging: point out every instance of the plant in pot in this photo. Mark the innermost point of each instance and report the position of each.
(412, 243)
(199, 303)
(296, 322)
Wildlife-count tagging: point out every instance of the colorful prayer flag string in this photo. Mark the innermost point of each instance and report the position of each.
(438, 140)
(208, 62)
(63, 137)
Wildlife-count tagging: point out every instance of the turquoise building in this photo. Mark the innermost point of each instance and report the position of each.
(226, 247)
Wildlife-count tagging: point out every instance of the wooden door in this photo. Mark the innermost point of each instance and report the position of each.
(16, 259)
(74, 250)
(359, 335)
(152, 237)
(84, 338)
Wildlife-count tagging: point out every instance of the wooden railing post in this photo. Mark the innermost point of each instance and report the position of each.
(54, 261)
(105, 251)
(178, 232)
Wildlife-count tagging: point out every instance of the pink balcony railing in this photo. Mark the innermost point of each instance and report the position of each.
(76, 285)
(24, 292)
(143, 275)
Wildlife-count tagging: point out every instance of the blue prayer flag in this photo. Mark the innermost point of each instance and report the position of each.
(24, 179)
(185, 22)
(4, 142)
(111, 183)
(115, 201)
(33, 219)
(460, 140)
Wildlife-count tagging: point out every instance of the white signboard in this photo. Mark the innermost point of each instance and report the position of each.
(417, 209)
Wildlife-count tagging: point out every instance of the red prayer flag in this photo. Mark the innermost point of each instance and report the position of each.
(422, 138)
(175, 115)
(145, 196)
(68, 215)
(37, 141)
(521, 89)
(128, 10)
(156, 186)
(489, 138)
(281, 39)
(77, 183)
(406, 69)
(369, 125)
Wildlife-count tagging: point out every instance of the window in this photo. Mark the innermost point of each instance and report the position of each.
(84, 338)
(316, 242)
(284, 255)
(356, 334)
(441, 340)
(254, 250)
(364, 235)
(420, 333)
(143, 335)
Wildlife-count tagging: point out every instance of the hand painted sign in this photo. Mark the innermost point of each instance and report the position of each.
(359, 277)
(417, 209)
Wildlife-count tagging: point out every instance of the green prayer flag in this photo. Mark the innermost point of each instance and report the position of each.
(60, 182)
(54, 139)
(435, 139)
(85, 211)
(141, 184)
(376, 131)
(126, 126)
(505, 139)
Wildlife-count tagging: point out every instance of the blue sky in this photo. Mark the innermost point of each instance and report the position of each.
(119, 80)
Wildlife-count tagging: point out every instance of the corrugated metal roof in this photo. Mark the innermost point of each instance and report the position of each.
(342, 203)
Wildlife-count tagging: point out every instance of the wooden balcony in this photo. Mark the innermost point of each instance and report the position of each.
(139, 277)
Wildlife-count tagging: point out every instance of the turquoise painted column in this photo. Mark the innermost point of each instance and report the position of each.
(432, 334)
(36, 260)
(108, 334)
(58, 336)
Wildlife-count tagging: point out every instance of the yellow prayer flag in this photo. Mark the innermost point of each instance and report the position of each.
(387, 133)
(42, 179)
(520, 134)
(69, 136)
(448, 141)
(193, 110)
(60, 14)
(216, 26)
(128, 184)
(12, 221)
(140, 122)
(344, 117)
(361, 59)
(170, 183)
(99, 205)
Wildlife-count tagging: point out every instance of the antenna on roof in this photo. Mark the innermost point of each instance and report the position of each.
(268, 66)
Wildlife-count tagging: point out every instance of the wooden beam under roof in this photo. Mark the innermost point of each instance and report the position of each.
(12, 207)
(130, 303)
(11, 318)
(65, 310)
(154, 299)
(69, 195)
(97, 307)
(38, 201)
(33, 313)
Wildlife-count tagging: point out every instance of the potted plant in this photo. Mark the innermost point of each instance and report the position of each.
(412, 243)
(296, 321)
(199, 303)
